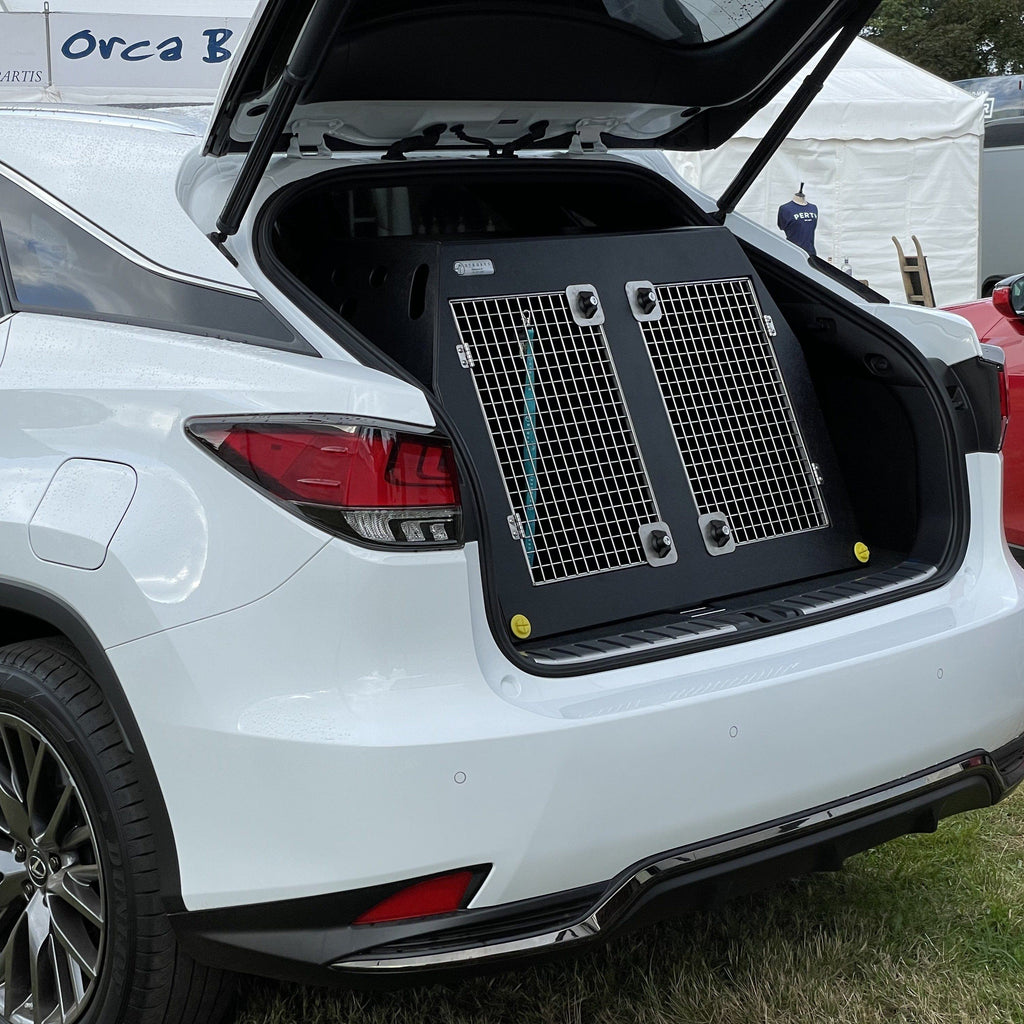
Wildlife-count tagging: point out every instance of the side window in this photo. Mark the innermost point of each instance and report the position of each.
(55, 266)
(5, 299)
(51, 268)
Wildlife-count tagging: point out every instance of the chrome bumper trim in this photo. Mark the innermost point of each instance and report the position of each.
(613, 905)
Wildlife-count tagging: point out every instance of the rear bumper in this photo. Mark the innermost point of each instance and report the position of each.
(349, 731)
(312, 940)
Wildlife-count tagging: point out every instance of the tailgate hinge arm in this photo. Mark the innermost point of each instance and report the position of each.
(587, 138)
(319, 31)
(785, 123)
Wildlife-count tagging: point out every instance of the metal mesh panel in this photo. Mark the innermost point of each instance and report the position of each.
(575, 479)
(732, 416)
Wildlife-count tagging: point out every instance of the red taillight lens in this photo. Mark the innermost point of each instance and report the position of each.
(443, 895)
(370, 481)
(347, 467)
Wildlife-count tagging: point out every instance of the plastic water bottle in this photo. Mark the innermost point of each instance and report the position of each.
(846, 267)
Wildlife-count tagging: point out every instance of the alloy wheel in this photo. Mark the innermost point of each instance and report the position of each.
(52, 905)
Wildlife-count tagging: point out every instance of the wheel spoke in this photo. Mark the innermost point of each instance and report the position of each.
(49, 834)
(14, 813)
(84, 874)
(81, 898)
(12, 762)
(12, 886)
(65, 989)
(38, 933)
(71, 936)
(77, 837)
(35, 774)
(10, 969)
(52, 944)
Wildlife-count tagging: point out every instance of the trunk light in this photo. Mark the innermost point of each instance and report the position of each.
(442, 895)
(374, 482)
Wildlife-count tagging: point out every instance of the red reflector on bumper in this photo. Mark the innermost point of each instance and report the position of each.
(442, 895)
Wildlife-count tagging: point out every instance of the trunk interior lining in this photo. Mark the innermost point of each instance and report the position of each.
(378, 248)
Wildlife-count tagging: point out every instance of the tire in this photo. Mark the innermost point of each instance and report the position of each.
(79, 888)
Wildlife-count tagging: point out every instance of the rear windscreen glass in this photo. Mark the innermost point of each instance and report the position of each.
(680, 21)
(693, 21)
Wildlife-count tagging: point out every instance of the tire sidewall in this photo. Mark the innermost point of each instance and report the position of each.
(26, 696)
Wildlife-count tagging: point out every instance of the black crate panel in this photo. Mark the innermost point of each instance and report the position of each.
(629, 423)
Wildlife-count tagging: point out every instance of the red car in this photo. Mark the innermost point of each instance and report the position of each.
(1000, 321)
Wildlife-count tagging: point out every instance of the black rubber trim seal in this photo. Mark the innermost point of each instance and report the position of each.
(52, 611)
(475, 525)
(973, 386)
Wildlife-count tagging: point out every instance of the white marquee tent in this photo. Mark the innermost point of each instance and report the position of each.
(886, 149)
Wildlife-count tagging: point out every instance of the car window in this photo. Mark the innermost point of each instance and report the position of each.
(55, 266)
(679, 21)
(687, 20)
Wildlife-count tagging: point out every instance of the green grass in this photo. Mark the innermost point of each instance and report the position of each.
(925, 930)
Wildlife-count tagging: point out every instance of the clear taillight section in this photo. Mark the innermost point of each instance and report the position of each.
(373, 482)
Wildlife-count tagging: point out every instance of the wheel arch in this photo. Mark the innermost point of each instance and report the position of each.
(990, 283)
(29, 613)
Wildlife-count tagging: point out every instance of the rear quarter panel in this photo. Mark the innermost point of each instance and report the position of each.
(196, 540)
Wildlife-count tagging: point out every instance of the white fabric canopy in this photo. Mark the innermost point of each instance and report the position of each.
(886, 149)
(188, 8)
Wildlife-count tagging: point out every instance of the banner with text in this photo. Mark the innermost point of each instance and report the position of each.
(22, 53)
(141, 54)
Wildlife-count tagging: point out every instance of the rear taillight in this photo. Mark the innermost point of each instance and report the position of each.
(373, 482)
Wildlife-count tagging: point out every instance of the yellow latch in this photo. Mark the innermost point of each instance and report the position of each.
(521, 627)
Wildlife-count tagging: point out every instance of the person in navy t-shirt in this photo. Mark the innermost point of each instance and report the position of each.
(799, 220)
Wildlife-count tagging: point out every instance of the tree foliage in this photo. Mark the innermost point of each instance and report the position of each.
(954, 39)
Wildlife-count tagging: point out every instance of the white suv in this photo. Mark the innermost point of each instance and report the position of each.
(434, 536)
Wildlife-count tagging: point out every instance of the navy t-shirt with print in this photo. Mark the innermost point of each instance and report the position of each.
(799, 221)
